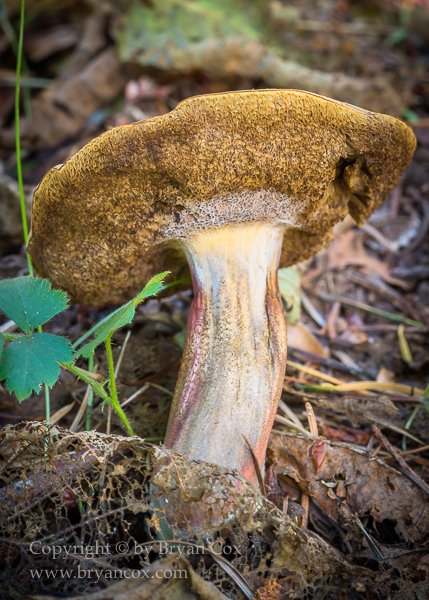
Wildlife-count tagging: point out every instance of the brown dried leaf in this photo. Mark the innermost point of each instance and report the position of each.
(42, 44)
(348, 249)
(372, 487)
(301, 338)
(317, 452)
(61, 110)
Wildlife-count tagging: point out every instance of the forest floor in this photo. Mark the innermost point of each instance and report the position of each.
(360, 351)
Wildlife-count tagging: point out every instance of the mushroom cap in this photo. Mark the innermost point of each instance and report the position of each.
(113, 215)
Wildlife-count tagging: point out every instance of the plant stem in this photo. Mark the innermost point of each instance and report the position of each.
(10, 34)
(47, 396)
(18, 144)
(371, 309)
(409, 423)
(19, 171)
(113, 392)
(90, 397)
(47, 404)
(89, 380)
(98, 388)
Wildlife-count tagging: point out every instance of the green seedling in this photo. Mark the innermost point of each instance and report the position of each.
(122, 316)
(33, 358)
(118, 319)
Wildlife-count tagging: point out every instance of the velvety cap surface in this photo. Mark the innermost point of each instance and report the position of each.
(111, 216)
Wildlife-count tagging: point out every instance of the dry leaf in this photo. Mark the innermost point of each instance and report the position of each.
(60, 413)
(301, 338)
(348, 249)
(317, 452)
(372, 487)
(385, 376)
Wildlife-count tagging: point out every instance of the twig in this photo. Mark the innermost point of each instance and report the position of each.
(373, 546)
(160, 387)
(121, 355)
(285, 504)
(384, 290)
(257, 467)
(290, 414)
(9, 326)
(404, 467)
(329, 362)
(314, 372)
(135, 395)
(371, 309)
(378, 237)
(305, 503)
(409, 452)
(311, 420)
(290, 423)
(311, 309)
(80, 413)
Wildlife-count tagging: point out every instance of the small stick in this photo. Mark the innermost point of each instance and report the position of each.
(83, 407)
(404, 467)
(285, 504)
(121, 355)
(408, 452)
(257, 467)
(305, 503)
(311, 420)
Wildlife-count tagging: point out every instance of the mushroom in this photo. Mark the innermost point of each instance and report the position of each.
(231, 185)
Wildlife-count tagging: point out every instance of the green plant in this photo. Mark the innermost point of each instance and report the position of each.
(33, 358)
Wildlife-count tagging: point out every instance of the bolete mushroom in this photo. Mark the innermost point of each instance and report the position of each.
(236, 183)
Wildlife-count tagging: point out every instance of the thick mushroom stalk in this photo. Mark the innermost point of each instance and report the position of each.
(234, 358)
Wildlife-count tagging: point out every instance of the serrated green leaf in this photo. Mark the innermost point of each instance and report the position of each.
(151, 288)
(31, 360)
(123, 315)
(120, 318)
(30, 301)
(3, 340)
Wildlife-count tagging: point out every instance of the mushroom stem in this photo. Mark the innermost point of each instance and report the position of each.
(234, 358)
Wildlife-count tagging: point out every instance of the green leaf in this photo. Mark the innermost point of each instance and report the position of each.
(399, 35)
(179, 338)
(123, 315)
(3, 341)
(290, 289)
(30, 301)
(410, 115)
(32, 360)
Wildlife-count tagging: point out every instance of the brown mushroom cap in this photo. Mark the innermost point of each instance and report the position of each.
(107, 220)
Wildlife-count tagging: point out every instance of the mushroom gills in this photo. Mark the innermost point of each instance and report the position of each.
(234, 357)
